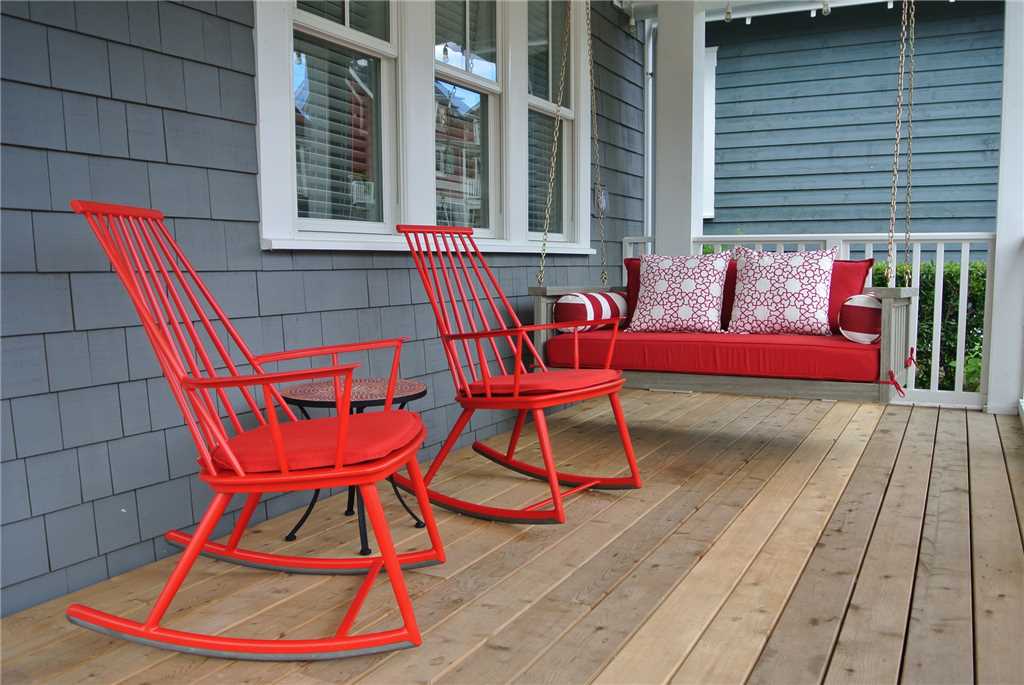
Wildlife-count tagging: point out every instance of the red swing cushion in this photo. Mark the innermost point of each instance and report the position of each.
(311, 444)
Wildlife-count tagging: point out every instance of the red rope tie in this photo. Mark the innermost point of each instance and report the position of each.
(911, 359)
(894, 383)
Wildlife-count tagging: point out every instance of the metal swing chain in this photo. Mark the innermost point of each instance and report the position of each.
(911, 31)
(890, 265)
(599, 194)
(553, 163)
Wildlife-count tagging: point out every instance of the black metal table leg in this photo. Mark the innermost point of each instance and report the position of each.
(401, 500)
(305, 515)
(350, 509)
(365, 549)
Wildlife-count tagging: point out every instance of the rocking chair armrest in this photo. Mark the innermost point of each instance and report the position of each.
(275, 378)
(325, 350)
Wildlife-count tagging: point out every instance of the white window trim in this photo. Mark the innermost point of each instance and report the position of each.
(710, 67)
(407, 132)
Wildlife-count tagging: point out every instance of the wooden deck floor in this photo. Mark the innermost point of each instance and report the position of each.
(775, 541)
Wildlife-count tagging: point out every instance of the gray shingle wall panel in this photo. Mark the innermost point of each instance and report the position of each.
(14, 483)
(64, 242)
(32, 116)
(217, 41)
(180, 190)
(34, 591)
(236, 10)
(165, 80)
(36, 422)
(79, 62)
(53, 481)
(94, 468)
(71, 535)
(164, 507)
(81, 122)
(144, 24)
(181, 31)
(120, 181)
(86, 573)
(53, 13)
(202, 90)
(214, 143)
(242, 53)
(146, 133)
(24, 551)
(113, 128)
(69, 180)
(203, 243)
(23, 365)
(181, 452)
(134, 407)
(104, 19)
(127, 72)
(101, 302)
(238, 96)
(23, 55)
(117, 522)
(234, 196)
(128, 558)
(17, 249)
(35, 303)
(142, 361)
(26, 182)
(7, 448)
(138, 460)
(68, 360)
(15, 8)
(281, 292)
(90, 415)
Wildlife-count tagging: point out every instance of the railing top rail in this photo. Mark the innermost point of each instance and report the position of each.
(838, 237)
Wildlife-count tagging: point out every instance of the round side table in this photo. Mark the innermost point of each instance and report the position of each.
(366, 393)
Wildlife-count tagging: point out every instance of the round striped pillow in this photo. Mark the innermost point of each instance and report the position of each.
(860, 319)
(588, 307)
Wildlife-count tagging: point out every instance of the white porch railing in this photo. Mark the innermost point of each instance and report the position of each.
(938, 248)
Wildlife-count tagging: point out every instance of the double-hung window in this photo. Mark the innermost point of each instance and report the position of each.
(467, 115)
(327, 150)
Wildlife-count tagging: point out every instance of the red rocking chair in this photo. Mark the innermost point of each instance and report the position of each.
(200, 352)
(476, 321)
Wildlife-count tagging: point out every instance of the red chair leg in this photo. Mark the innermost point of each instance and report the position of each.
(371, 500)
(541, 425)
(423, 499)
(627, 442)
(251, 502)
(449, 443)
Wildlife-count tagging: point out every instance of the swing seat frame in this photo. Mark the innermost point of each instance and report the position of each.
(474, 316)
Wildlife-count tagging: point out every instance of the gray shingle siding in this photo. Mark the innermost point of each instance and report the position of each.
(805, 120)
(119, 102)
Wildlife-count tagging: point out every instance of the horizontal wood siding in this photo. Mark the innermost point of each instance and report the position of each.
(804, 120)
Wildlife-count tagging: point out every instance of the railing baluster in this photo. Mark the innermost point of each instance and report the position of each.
(915, 308)
(961, 315)
(986, 326)
(933, 383)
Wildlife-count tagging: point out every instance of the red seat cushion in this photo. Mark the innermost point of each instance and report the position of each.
(812, 357)
(311, 444)
(556, 380)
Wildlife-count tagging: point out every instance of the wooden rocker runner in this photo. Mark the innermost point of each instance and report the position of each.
(484, 342)
(199, 351)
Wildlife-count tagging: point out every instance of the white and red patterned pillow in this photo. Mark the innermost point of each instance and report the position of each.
(680, 293)
(588, 307)
(860, 319)
(782, 292)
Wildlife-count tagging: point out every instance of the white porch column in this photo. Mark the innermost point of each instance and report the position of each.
(416, 104)
(1006, 347)
(678, 126)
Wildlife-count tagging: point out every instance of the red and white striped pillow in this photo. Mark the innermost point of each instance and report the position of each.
(588, 307)
(860, 319)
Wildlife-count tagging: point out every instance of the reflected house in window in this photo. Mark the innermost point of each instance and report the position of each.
(461, 151)
(336, 139)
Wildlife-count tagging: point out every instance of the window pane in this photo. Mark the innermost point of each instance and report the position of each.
(541, 143)
(337, 132)
(371, 17)
(335, 11)
(483, 39)
(460, 120)
(450, 32)
(545, 23)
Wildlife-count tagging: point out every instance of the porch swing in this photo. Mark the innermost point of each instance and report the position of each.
(686, 361)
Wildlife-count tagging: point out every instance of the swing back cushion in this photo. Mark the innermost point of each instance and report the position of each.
(592, 306)
(848, 279)
(680, 293)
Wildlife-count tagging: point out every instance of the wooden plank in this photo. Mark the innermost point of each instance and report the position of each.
(870, 644)
(583, 651)
(998, 558)
(743, 385)
(656, 650)
(939, 638)
(798, 649)
(730, 645)
(1011, 433)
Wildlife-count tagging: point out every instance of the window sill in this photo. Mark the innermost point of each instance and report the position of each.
(395, 243)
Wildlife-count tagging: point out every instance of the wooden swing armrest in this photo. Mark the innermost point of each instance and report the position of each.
(891, 293)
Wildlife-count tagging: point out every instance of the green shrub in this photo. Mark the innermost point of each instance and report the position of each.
(948, 319)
